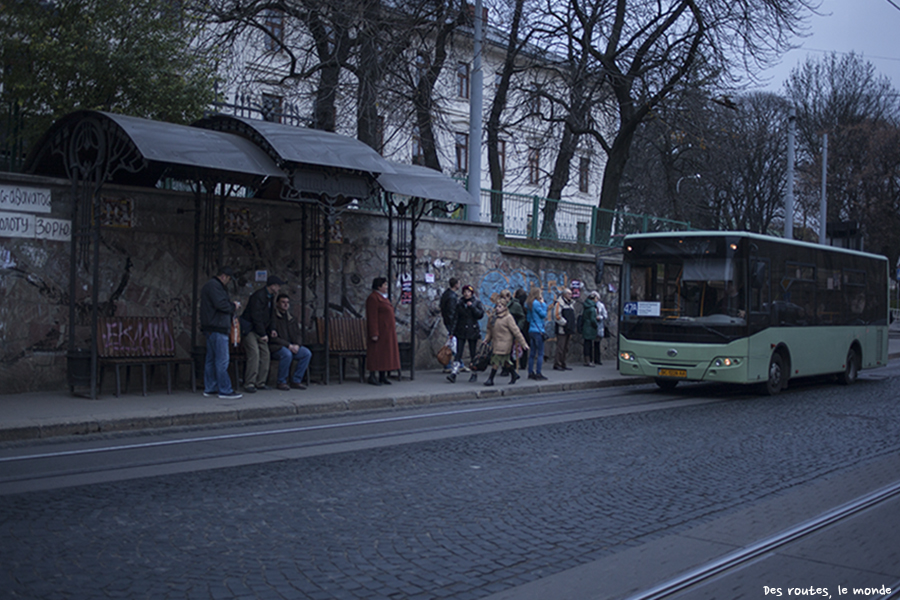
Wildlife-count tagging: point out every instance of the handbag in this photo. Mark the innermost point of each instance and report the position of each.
(445, 355)
(482, 357)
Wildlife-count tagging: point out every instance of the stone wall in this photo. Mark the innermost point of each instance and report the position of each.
(146, 269)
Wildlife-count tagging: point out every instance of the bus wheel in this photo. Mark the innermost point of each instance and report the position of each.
(851, 370)
(666, 385)
(777, 377)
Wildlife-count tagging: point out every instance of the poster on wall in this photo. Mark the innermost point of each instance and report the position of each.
(15, 197)
(29, 226)
(576, 286)
(406, 288)
(237, 221)
(116, 212)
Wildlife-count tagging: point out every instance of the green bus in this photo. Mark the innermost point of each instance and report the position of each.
(744, 308)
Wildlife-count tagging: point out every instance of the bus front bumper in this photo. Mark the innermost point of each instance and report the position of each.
(727, 369)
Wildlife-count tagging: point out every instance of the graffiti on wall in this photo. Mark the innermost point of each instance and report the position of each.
(551, 282)
(136, 336)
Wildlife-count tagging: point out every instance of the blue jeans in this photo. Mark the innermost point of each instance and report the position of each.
(285, 357)
(536, 352)
(215, 374)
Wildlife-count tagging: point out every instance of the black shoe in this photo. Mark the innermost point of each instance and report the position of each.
(374, 380)
(540, 377)
(385, 381)
(473, 378)
(489, 382)
(513, 377)
(556, 368)
(250, 389)
(451, 377)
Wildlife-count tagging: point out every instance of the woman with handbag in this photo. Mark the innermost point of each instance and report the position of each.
(468, 312)
(536, 312)
(502, 334)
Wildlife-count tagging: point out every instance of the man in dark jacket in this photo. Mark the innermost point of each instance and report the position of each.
(285, 345)
(256, 324)
(216, 314)
(449, 300)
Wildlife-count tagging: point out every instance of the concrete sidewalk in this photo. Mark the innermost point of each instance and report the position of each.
(48, 414)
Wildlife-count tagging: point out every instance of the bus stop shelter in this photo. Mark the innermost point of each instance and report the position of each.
(321, 172)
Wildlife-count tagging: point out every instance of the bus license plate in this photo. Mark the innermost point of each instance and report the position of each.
(672, 373)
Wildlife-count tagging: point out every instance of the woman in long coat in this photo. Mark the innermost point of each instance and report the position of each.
(503, 333)
(382, 351)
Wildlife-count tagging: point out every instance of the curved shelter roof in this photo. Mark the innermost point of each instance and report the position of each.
(139, 151)
(302, 145)
(318, 162)
(422, 182)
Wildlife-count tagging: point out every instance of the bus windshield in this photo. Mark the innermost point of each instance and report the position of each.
(691, 289)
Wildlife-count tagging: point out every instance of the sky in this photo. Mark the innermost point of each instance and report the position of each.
(870, 28)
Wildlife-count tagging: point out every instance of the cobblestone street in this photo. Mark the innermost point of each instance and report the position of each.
(456, 518)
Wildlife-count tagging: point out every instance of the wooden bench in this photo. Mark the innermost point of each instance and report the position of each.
(347, 339)
(138, 341)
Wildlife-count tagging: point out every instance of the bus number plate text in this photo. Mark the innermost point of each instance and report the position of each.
(672, 373)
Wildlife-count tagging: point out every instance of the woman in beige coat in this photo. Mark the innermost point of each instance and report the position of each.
(502, 332)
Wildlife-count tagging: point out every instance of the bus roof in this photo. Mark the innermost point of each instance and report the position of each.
(748, 235)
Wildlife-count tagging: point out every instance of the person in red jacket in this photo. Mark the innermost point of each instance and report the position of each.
(382, 351)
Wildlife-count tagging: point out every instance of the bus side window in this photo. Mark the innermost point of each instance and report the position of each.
(760, 301)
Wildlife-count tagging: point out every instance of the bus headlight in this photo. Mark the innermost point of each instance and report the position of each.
(726, 362)
(627, 356)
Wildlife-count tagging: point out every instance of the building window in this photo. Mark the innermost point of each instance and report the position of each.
(584, 170)
(272, 108)
(274, 27)
(534, 166)
(462, 79)
(462, 152)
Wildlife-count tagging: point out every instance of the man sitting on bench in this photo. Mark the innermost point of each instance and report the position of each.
(285, 345)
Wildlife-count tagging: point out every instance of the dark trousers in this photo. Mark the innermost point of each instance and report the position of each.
(562, 349)
(461, 347)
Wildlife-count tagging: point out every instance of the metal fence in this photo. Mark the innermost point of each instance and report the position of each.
(526, 217)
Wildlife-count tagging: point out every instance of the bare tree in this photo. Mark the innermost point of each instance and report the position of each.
(843, 96)
(647, 48)
(515, 43)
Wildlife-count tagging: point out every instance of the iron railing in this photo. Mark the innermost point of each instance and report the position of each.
(526, 216)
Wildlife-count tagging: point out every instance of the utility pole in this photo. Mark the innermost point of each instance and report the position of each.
(475, 101)
(823, 203)
(789, 193)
